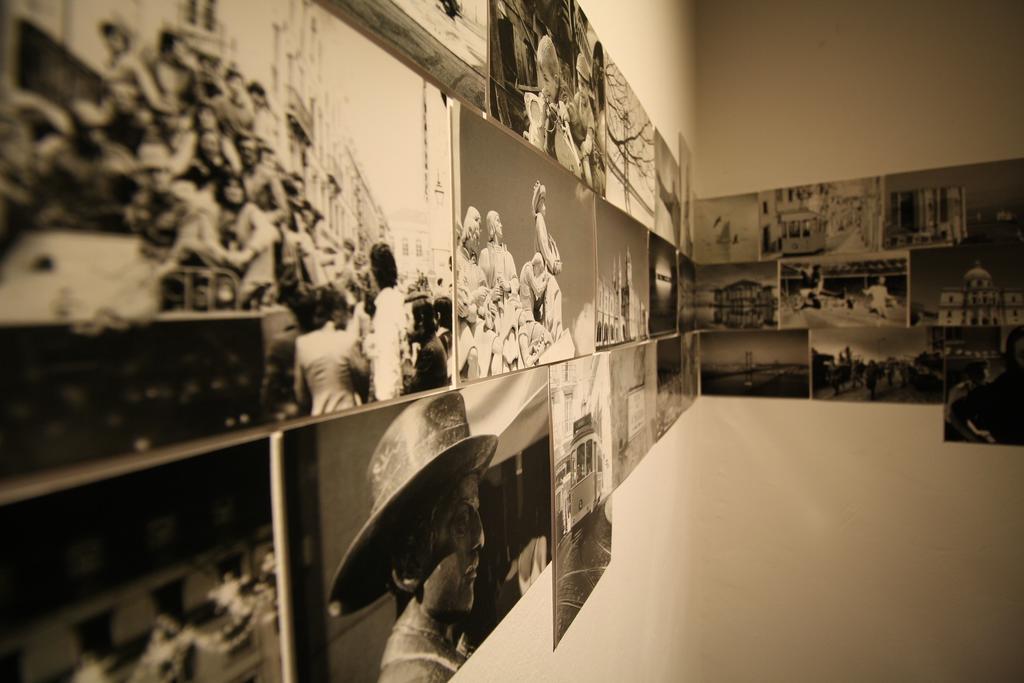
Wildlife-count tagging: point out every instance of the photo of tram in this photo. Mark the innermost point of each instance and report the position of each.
(585, 469)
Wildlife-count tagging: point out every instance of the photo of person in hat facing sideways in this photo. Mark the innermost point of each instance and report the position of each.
(415, 529)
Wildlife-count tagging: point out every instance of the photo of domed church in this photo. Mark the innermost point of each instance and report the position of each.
(967, 286)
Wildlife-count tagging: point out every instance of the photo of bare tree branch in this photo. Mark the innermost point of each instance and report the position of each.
(630, 144)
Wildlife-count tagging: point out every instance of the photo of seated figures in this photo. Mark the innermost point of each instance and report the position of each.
(582, 426)
(547, 82)
(740, 296)
(663, 275)
(668, 208)
(417, 527)
(967, 286)
(198, 243)
(524, 255)
(687, 294)
(873, 364)
(632, 183)
(684, 239)
(633, 404)
(168, 574)
(970, 204)
(984, 384)
(844, 291)
(446, 38)
(766, 363)
(623, 277)
(843, 217)
(726, 229)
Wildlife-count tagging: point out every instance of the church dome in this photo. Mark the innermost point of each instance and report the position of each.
(977, 277)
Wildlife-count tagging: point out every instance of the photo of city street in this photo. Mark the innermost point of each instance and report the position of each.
(882, 365)
(581, 451)
(737, 296)
(726, 229)
(844, 291)
(761, 363)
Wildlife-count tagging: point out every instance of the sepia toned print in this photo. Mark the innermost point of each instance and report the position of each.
(632, 181)
(684, 239)
(670, 399)
(739, 296)
(524, 257)
(633, 405)
(670, 198)
(760, 363)
(968, 286)
(422, 526)
(582, 425)
(198, 242)
(687, 294)
(984, 385)
(623, 281)
(164, 574)
(726, 229)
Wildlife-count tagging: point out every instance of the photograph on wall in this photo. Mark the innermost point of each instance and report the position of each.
(623, 288)
(524, 256)
(663, 275)
(766, 363)
(190, 239)
(687, 294)
(670, 400)
(844, 291)
(684, 239)
(737, 296)
(167, 574)
(690, 368)
(417, 528)
(581, 454)
(668, 206)
(842, 217)
(632, 185)
(970, 204)
(877, 364)
(725, 229)
(967, 286)
(633, 404)
(447, 39)
(582, 113)
(984, 384)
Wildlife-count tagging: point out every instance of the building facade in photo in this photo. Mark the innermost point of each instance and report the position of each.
(978, 301)
(621, 313)
(927, 216)
(744, 304)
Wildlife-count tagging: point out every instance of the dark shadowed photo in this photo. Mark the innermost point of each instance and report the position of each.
(632, 182)
(726, 229)
(882, 365)
(623, 277)
(189, 240)
(168, 574)
(687, 294)
(763, 363)
(582, 426)
(416, 529)
(524, 257)
(984, 385)
(974, 203)
(663, 276)
(967, 286)
(445, 38)
(842, 217)
(670, 402)
(634, 386)
(668, 205)
(844, 291)
(740, 296)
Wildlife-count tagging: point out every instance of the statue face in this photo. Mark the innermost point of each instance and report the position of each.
(459, 536)
(472, 227)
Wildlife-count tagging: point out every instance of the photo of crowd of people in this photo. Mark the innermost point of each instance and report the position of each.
(167, 172)
(519, 301)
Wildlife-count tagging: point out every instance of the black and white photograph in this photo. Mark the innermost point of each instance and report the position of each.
(663, 275)
(737, 296)
(670, 400)
(844, 291)
(633, 404)
(632, 182)
(581, 454)
(726, 229)
(970, 204)
(690, 368)
(581, 114)
(877, 364)
(447, 39)
(967, 286)
(984, 385)
(843, 217)
(668, 206)
(623, 277)
(687, 294)
(187, 239)
(684, 239)
(765, 363)
(166, 574)
(524, 256)
(416, 528)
